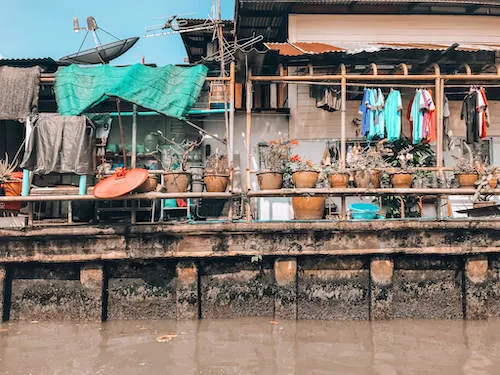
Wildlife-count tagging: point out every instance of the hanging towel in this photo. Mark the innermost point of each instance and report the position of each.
(61, 144)
(19, 88)
(365, 112)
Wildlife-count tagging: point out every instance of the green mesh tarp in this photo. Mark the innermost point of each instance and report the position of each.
(171, 90)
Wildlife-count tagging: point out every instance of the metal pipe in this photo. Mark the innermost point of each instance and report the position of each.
(89, 197)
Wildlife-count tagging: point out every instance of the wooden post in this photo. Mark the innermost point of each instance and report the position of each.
(343, 126)
(439, 94)
(248, 139)
(133, 158)
(230, 140)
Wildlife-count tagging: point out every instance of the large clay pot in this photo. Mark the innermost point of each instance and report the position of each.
(467, 180)
(305, 179)
(308, 208)
(375, 178)
(362, 179)
(270, 180)
(338, 180)
(216, 183)
(176, 182)
(401, 180)
(148, 185)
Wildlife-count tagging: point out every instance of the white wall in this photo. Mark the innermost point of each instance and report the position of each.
(366, 28)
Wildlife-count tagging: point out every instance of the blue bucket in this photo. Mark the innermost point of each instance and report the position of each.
(364, 211)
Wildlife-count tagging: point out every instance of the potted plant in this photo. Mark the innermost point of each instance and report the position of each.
(304, 173)
(483, 193)
(402, 175)
(174, 162)
(367, 165)
(338, 176)
(273, 163)
(216, 176)
(308, 207)
(10, 182)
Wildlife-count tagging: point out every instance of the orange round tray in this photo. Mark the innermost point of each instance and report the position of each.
(122, 182)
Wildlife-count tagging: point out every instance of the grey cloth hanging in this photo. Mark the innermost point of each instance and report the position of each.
(61, 144)
(19, 89)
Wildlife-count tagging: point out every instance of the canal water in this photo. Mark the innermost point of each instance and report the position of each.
(251, 346)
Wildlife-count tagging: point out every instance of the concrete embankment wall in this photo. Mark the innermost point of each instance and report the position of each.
(55, 278)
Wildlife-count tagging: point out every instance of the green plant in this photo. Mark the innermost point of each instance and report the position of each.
(467, 164)
(175, 157)
(274, 157)
(217, 164)
(6, 169)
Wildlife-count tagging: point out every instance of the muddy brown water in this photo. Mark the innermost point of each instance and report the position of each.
(251, 346)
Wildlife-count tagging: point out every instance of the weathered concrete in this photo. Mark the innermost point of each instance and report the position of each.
(67, 244)
(187, 298)
(476, 287)
(285, 274)
(142, 290)
(333, 289)
(381, 273)
(493, 287)
(428, 288)
(236, 289)
(3, 275)
(56, 292)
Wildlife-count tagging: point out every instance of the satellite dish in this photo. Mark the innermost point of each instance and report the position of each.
(101, 53)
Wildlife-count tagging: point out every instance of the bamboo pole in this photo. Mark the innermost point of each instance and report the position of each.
(50, 78)
(343, 125)
(230, 140)
(248, 139)
(363, 191)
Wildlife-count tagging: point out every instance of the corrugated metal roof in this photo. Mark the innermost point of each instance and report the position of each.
(335, 2)
(311, 48)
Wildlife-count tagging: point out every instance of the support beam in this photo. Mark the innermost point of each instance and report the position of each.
(476, 288)
(92, 280)
(381, 274)
(3, 307)
(285, 274)
(187, 295)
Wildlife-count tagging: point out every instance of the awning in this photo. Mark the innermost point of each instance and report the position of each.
(316, 48)
(170, 90)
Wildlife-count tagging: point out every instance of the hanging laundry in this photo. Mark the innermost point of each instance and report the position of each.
(417, 117)
(483, 113)
(429, 123)
(392, 115)
(365, 111)
(446, 124)
(469, 114)
(378, 126)
(326, 97)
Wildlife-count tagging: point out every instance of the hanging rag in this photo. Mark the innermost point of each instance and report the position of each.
(60, 144)
(326, 97)
(446, 125)
(483, 113)
(417, 117)
(170, 90)
(429, 113)
(19, 89)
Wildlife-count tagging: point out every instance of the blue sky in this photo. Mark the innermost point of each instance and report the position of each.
(35, 28)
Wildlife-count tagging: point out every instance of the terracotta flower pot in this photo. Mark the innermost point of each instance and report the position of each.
(467, 180)
(338, 180)
(305, 179)
(216, 183)
(401, 180)
(308, 208)
(176, 182)
(270, 180)
(148, 185)
(362, 179)
(493, 182)
(12, 188)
